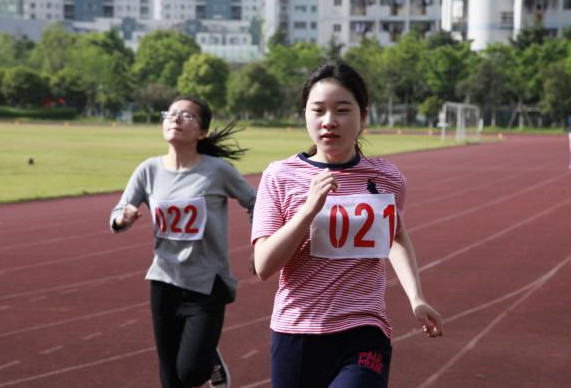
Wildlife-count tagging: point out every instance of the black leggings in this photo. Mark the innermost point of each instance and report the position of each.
(187, 328)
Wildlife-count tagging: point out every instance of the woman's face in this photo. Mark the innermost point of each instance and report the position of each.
(182, 124)
(333, 121)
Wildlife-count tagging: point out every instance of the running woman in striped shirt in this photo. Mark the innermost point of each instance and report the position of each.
(327, 220)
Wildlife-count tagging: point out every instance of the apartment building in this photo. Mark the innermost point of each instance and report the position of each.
(490, 21)
(227, 28)
(347, 21)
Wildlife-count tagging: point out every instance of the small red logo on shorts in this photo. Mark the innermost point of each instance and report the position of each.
(372, 361)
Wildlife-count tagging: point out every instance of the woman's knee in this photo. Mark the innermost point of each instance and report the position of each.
(194, 375)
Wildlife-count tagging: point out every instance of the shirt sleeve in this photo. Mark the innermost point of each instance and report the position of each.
(133, 194)
(241, 190)
(268, 215)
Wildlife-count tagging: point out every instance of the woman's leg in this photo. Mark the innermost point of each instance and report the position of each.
(203, 320)
(165, 300)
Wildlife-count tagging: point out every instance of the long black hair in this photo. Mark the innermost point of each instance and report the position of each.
(219, 142)
(347, 77)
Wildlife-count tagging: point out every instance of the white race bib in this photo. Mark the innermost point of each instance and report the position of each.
(358, 226)
(179, 220)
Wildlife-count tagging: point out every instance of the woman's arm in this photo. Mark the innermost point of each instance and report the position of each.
(403, 261)
(272, 253)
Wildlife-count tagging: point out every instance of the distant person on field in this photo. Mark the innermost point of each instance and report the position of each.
(187, 191)
(329, 221)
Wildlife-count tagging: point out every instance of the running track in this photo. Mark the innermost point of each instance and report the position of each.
(491, 225)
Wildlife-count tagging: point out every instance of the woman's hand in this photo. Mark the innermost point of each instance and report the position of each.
(430, 319)
(320, 186)
(128, 216)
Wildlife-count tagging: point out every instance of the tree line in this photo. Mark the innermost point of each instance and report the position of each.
(97, 75)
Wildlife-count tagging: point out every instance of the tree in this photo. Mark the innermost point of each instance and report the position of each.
(445, 66)
(556, 96)
(398, 73)
(67, 84)
(14, 51)
(367, 59)
(51, 54)
(440, 38)
(291, 65)
(535, 34)
(24, 87)
(153, 97)
(2, 73)
(204, 76)
(253, 91)
(105, 73)
(161, 55)
(490, 79)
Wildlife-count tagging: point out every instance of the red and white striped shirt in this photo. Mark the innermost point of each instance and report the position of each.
(318, 295)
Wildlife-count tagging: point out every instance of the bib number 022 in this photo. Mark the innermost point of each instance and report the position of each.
(179, 220)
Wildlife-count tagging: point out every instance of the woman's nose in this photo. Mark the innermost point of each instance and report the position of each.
(328, 120)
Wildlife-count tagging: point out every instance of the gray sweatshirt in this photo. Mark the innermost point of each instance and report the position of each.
(178, 202)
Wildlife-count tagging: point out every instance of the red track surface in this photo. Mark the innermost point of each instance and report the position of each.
(492, 230)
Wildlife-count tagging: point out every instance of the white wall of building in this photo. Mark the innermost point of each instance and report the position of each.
(43, 10)
(489, 21)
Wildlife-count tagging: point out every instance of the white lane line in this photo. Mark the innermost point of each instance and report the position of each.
(91, 336)
(53, 240)
(51, 350)
(73, 258)
(257, 384)
(9, 364)
(128, 323)
(488, 304)
(442, 197)
(71, 320)
(117, 358)
(495, 235)
(488, 203)
(74, 285)
(474, 341)
(95, 254)
(248, 323)
(37, 299)
(249, 354)
(75, 367)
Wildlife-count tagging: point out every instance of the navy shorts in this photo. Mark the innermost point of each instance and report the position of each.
(356, 358)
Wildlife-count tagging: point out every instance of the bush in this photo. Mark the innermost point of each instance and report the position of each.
(141, 117)
(38, 113)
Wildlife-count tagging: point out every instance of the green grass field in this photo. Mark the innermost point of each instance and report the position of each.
(87, 159)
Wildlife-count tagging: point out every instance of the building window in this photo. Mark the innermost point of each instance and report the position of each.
(337, 28)
(313, 25)
(300, 25)
(337, 2)
(507, 19)
(300, 8)
(567, 4)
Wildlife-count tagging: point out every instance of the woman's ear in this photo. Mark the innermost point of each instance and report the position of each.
(364, 116)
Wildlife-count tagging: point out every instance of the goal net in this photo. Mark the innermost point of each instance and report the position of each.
(461, 122)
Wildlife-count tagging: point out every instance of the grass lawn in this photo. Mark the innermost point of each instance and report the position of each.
(85, 159)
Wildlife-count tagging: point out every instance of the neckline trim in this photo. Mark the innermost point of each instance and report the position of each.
(332, 166)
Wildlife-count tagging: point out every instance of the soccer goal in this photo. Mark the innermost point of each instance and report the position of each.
(460, 121)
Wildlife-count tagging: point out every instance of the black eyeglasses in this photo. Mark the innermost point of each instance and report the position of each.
(184, 116)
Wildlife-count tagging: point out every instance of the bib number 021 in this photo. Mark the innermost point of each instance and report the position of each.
(356, 226)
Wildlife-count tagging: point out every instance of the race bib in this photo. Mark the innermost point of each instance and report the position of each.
(179, 220)
(358, 226)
